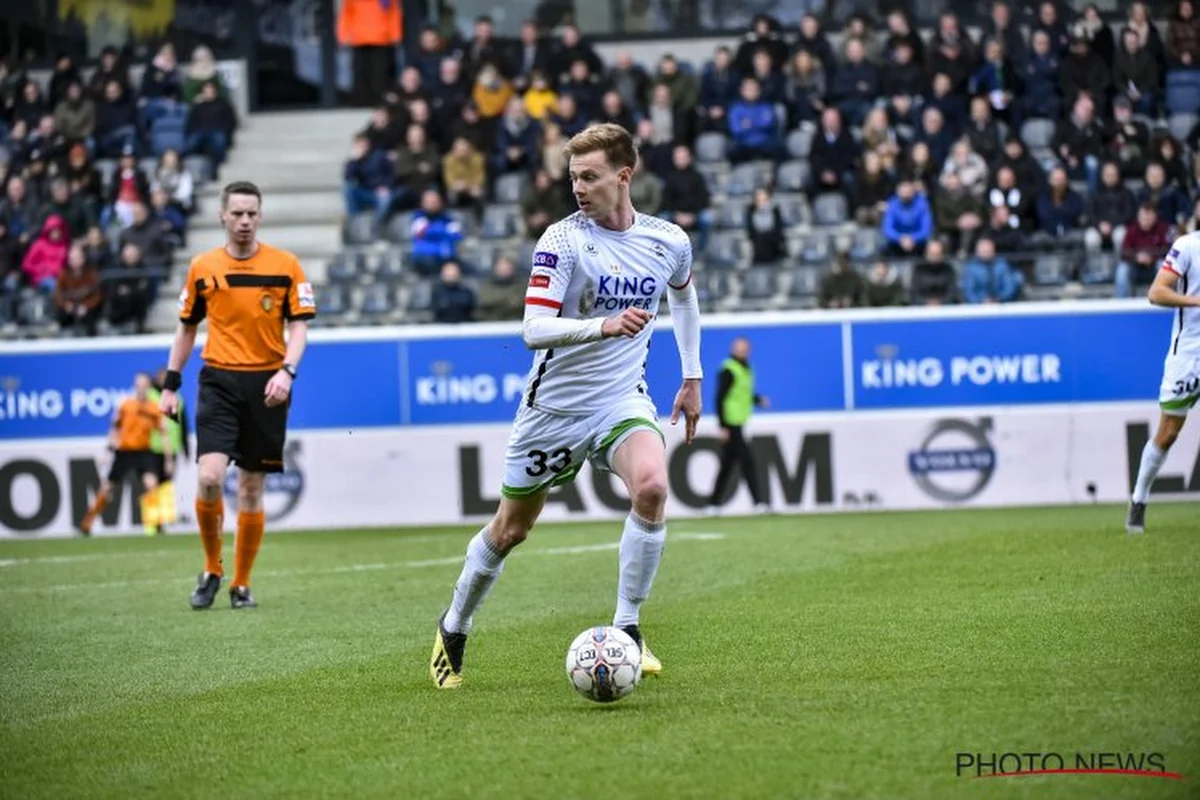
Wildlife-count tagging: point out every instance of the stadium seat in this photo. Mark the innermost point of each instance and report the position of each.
(759, 286)
(377, 301)
(346, 267)
(333, 300)
(362, 229)
(201, 168)
(1037, 134)
(510, 187)
(399, 227)
(806, 282)
(1183, 91)
(716, 175)
(107, 167)
(391, 266)
(713, 288)
(725, 251)
(499, 222)
(830, 209)
(148, 166)
(421, 299)
(865, 244)
(1050, 269)
(711, 147)
(1099, 268)
(732, 214)
(799, 141)
(1180, 125)
(167, 133)
(814, 248)
(792, 210)
(35, 309)
(793, 176)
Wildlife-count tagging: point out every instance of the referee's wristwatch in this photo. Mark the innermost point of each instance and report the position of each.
(290, 370)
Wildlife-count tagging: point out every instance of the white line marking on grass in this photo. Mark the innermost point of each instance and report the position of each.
(370, 567)
(39, 560)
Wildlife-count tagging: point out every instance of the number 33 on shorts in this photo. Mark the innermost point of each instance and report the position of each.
(541, 462)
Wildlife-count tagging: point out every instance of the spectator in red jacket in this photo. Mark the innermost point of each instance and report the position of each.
(1146, 242)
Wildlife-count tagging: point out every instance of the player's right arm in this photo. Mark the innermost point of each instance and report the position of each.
(554, 261)
(1177, 265)
(192, 309)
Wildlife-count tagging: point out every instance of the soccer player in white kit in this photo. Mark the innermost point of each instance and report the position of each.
(1177, 286)
(597, 280)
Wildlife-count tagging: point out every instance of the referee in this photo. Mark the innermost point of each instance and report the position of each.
(251, 294)
(736, 399)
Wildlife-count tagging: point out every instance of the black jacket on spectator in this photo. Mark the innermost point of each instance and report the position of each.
(518, 62)
(821, 49)
(1129, 146)
(389, 137)
(907, 79)
(773, 43)
(1025, 167)
(1088, 74)
(934, 280)
(685, 190)
(215, 115)
(985, 139)
(870, 192)
(158, 83)
(373, 171)
(1021, 201)
(718, 88)
(140, 183)
(453, 303)
(150, 241)
(1139, 68)
(855, 82)
(586, 93)
(445, 105)
(1087, 140)
(1115, 205)
(59, 80)
(767, 244)
(114, 115)
(75, 213)
(560, 61)
(1008, 240)
(838, 156)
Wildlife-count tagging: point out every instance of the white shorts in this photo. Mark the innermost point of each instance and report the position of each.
(1180, 385)
(545, 450)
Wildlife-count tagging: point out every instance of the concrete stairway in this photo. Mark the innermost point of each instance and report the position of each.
(296, 159)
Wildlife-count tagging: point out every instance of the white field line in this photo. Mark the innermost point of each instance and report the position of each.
(370, 567)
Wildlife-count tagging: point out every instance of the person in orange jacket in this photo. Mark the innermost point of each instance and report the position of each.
(373, 29)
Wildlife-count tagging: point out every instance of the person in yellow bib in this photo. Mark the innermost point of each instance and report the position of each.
(165, 510)
(736, 401)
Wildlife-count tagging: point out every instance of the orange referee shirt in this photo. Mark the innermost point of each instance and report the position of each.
(248, 303)
(136, 420)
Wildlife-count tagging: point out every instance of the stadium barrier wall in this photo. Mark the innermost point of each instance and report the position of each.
(382, 391)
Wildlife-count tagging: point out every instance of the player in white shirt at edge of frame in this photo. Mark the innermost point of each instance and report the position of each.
(598, 277)
(1177, 286)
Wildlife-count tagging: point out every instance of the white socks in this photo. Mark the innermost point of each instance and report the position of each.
(641, 549)
(1152, 461)
(482, 567)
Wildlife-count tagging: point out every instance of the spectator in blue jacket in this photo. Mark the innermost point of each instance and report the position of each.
(1040, 78)
(754, 127)
(907, 221)
(988, 278)
(435, 235)
(855, 86)
(367, 179)
(1060, 209)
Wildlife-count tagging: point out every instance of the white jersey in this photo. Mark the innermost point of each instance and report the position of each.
(585, 271)
(1184, 261)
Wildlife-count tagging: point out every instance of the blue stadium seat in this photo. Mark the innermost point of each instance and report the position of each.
(201, 168)
(377, 301)
(760, 285)
(732, 214)
(347, 267)
(391, 266)
(799, 141)
(399, 227)
(711, 147)
(1050, 269)
(421, 299)
(806, 282)
(865, 244)
(744, 179)
(725, 251)
(1037, 133)
(1180, 125)
(107, 167)
(830, 209)
(499, 222)
(814, 248)
(510, 187)
(1183, 91)
(333, 300)
(167, 133)
(793, 176)
(362, 229)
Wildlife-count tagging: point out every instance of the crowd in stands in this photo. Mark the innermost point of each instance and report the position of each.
(99, 180)
(903, 168)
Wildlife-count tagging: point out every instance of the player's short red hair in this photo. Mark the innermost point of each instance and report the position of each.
(614, 140)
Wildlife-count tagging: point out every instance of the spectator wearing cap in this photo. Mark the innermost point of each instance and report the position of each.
(583, 88)
(71, 208)
(129, 187)
(46, 257)
(116, 122)
(1060, 210)
(686, 199)
(75, 115)
(754, 127)
(907, 221)
(1128, 139)
(210, 126)
(1110, 208)
(1083, 72)
(1039, 75)
(989, 278)
(719, 84)
(453, 301)
(1147, 240)
(1135, 73)
(934, 281)
(1079, 140)
(855, 85)
(77, 295)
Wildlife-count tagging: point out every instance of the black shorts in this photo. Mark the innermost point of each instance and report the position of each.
(232, 418)
(139, 462)
(160, 464)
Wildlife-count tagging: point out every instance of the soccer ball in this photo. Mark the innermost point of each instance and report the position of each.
(604, 664)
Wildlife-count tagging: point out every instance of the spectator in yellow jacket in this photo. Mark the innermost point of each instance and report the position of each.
(540, 100)
(491, 92)
(464, 174)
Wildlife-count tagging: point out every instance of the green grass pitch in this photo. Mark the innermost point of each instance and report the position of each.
(848, 656)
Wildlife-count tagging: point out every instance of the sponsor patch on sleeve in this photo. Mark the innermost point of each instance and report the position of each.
(183, 298)
(539, 281)
(544, 259)
(304, 295)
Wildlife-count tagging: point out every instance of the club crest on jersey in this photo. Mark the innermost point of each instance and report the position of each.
(544, 259)
(266, 302)
(615, 269)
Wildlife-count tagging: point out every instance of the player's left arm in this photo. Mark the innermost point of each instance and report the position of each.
(301, 306)
(1163, 291)
(685, 319)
